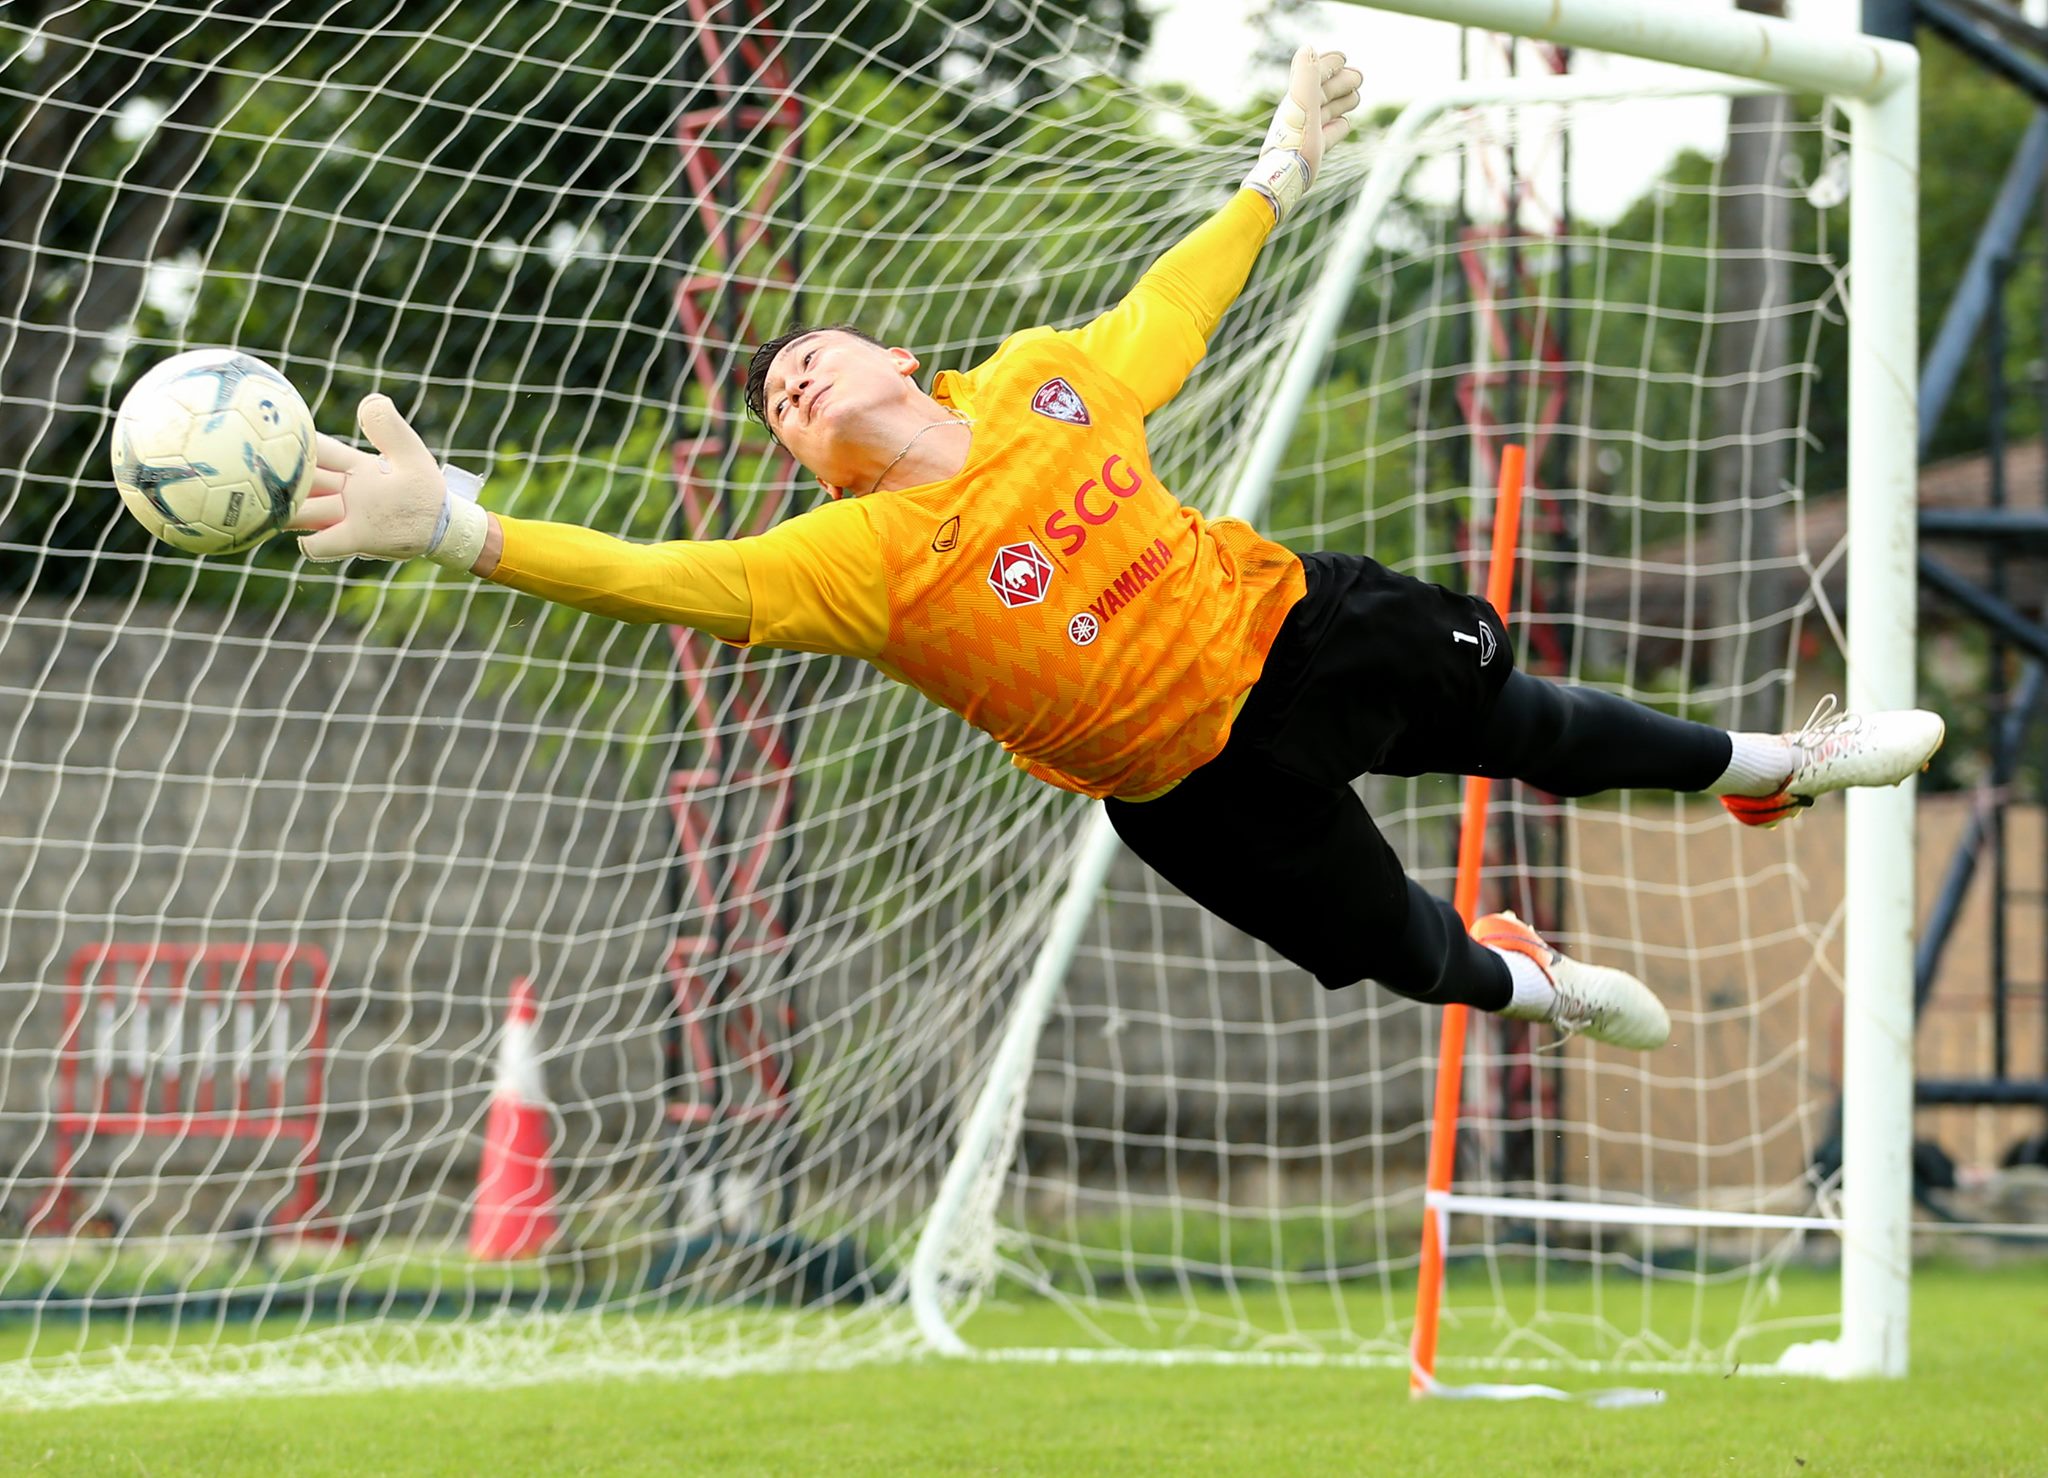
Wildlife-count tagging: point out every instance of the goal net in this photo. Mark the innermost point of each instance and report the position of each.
(282, 837)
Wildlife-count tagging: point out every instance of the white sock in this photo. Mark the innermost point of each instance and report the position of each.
(1758, 764)
(1534, 996)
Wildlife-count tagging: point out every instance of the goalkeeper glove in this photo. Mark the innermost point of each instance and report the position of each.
(394, 506)
(1321, 92)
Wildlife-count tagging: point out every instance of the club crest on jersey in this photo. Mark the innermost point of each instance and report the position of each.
(1060, 401)
(1021, 574)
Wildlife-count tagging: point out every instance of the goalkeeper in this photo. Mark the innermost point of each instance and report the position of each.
(1002, 544)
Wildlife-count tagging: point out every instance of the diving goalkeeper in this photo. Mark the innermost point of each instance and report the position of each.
(1002, 544)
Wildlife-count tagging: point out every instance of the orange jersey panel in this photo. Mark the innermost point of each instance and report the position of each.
(1056, 595)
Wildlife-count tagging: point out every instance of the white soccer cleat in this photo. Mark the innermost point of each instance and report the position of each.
(1838, 750)
(1596, 1001)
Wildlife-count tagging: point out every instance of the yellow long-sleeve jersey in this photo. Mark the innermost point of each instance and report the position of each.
(1052, 592)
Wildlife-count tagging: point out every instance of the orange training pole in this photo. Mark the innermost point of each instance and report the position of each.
(1443, 1132)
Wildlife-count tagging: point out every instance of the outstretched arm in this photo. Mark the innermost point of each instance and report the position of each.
(812, 583)
(699, 583)
(1155, 337)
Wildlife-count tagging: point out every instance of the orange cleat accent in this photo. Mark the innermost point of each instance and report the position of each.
(1506, 931)
(1765, 810)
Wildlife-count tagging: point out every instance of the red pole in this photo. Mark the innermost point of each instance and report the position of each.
(1443, 1133)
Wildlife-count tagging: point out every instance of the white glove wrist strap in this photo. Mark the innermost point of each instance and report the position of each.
(1281, 175)
(459, 533)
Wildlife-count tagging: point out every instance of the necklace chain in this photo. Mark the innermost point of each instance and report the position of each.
(928, 426)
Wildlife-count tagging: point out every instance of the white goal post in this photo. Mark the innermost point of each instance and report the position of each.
(1875, 81)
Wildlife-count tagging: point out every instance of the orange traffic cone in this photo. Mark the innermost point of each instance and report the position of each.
(515, 1193)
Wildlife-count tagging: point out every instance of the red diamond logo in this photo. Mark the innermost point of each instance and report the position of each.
(1060, 401)
(1021, 574)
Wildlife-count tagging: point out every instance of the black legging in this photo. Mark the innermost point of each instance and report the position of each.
(1581, 741)
(1292, 858)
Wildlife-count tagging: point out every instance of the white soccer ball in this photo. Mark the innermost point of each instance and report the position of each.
(213, 451)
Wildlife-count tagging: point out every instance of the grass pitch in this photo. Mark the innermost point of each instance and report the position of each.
(1973, 1405)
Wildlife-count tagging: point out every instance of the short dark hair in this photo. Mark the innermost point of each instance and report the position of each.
(757, 367)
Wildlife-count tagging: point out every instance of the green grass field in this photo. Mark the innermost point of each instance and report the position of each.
(1974, 1404)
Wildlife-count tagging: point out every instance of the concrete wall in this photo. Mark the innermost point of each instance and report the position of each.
(272, 782)
(254, 784)
(175, 777)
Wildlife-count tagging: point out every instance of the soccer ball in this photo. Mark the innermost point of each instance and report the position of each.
(213, 451)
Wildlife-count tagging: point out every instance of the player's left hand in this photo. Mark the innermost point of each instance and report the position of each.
(1321, 92)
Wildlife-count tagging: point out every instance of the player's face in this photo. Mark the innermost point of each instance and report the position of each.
(826, 395)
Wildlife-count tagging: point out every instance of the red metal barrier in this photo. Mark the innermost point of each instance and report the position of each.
(192, 1041)
(733, 804)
